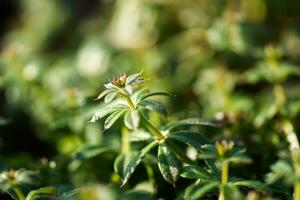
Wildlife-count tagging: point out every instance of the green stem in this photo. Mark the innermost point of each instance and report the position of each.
(294, 147)
(224, 179)
(150, 174)
(297, 191)
(279, 95)
(130, 102)
(152, 129)
(126, 147)
(225, 172)
(19, 192)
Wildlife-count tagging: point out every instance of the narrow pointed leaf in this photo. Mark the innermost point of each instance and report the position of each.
(195, 172)
(135, 161)
(135, 79)
(250, 184)
(192, 139)
(155, 106)
(113, 118)
(168, 163)
(200, 189)
(154, 94)
(105, 110)
(90, 151)
(120, 163)
(189, 122)
(43, 193)
(70, 195)
(102, 94)
(132, 119)
(110, 96)
(231, 192)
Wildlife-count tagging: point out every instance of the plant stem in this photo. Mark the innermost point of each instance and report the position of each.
(150, 174)
(19, 192)
(296, 191)
(130, 102)
(279, 94)
(291, 137)
(152, 129)
(224, 179)
(126, 147)
(225, 172)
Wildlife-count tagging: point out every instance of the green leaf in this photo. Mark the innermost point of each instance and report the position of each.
(135, 79)
(193, 139)
(27, 177)
(90, 151)
(109, 97)
(113, 118)
(195, 172)
(154, 94)
(250, 184)
(105, 110)
(238, 159)
(189, 122)
(43, 193)
(168, 163)
(198, 190)
(135, 161)
(281, 170)
(102, 94)
(231, 192)
(132, 119)
(69, 195)
(154, 105)
(208, 152)
(120, 163)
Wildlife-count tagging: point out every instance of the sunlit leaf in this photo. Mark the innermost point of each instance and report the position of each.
(43, 193)
(104, 93)
(196, 172)
(190, 138)
(153, 94)
(250, 184)
(135, 79)
(105, 110)
(111, 119)
(200, 189)
(110, 96)
(154, 105)
(189, 122)
(132, 119)
(135, 161)
(168, 163)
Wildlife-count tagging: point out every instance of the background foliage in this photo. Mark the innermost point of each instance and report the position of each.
(230, 61)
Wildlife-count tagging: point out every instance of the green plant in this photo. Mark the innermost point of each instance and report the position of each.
(122, 99)
(224, 154)
(11, 182)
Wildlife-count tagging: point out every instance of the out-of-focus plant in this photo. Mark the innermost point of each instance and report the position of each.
(224, 154)
(123, 99)
(12, 181)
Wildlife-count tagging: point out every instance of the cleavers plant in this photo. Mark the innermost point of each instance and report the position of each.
(123, 99)
(12, 181)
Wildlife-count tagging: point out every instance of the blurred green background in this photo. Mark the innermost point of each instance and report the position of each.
(235, 61)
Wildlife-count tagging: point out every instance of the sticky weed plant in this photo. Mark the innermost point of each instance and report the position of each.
(12, 182)
(123, 99)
